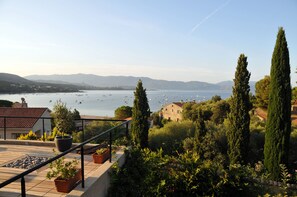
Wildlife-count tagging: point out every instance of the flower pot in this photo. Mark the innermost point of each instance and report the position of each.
(101, 158)
(66, 185)
(63, 143)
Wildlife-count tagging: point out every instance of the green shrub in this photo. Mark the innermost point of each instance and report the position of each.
(62, 169)
(256, 146)
(95, 128)
(293, 150)
(170, 137)
(148, 173)
(188, 144)
(30, 136)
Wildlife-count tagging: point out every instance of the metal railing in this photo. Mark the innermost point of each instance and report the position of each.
(80, 146)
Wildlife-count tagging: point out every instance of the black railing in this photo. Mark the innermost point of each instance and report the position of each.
(83, 121)
(81, 146)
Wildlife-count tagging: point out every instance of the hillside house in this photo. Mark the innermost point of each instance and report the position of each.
(172, 111)
(16, 126)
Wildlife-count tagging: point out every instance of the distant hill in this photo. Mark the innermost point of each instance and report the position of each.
(130, 82)
(11, 84)
(14, 78)
(227, 85)
(126, 82)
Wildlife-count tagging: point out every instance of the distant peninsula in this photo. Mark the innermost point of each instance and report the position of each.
(14, 84)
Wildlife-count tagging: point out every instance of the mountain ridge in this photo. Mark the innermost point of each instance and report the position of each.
(128, 81)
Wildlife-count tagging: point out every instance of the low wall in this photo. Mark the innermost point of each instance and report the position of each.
(97, 184)
(38, 143)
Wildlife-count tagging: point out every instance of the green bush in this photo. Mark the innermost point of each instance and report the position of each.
(30, 136)
(256, 146)
(170, 137)
(293, 150)
(95, 128)
(148, 173)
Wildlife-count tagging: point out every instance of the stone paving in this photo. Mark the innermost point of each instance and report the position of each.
(36, 182)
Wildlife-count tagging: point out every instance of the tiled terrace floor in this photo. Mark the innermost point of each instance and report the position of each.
(36, 182)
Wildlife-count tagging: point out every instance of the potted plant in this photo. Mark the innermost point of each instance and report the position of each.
(64, 125)
(65, 173)
(101, 155)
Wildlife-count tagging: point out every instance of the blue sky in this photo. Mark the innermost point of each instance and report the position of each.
(192, 40)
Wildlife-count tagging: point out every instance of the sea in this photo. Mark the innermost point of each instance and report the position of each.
(105, 102)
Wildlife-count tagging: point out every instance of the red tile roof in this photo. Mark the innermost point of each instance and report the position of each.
(180, 104)
(20, 112)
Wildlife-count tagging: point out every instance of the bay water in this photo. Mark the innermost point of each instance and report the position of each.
(104, 102)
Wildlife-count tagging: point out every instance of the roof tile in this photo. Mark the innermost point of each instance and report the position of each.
(20, 112)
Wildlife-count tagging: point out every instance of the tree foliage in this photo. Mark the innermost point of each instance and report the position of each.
(95, 128)
(278, 127)
(148, 173)
(216, 98)
(63, 118)
(157, 119)
(220, 111)
(262, 92)
(140, 116)
(76, 114)
(239, 118)
(5, 103)
(200, 127)
(170, 137)
(123, 112)
(294, 93)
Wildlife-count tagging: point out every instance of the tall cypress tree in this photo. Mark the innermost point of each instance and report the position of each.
(200, 132)
(239, 132)
(278, 126)
(140, 115)
(200, 126)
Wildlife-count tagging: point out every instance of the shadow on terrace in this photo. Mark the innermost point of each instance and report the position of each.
(24, 163)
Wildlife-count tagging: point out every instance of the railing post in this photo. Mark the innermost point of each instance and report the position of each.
(110, 141)
(4, 128)
(43, 137)
(23, 187)
(83, 130)
(82, 167)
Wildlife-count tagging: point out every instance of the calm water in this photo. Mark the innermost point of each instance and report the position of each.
(103, 103)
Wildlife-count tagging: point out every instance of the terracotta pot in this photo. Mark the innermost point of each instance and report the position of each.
(66, 185)
(101, 158)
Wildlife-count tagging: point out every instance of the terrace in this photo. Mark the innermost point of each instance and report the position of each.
(95, 176)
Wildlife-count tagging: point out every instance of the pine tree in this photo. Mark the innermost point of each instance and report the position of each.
(140, 115)
(278, 126)
(239, 118)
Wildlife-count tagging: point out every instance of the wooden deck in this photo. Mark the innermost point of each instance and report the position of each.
(36, 182)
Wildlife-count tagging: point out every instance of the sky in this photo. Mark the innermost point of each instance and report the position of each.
(182, 40)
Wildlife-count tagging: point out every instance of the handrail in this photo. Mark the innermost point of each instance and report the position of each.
(61, 155)
(39, 117)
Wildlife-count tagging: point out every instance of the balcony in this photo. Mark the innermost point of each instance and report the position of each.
(95, 176)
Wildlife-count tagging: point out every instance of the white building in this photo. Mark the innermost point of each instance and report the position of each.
(19, 121)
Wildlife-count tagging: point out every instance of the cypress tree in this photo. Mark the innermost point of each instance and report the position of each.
(140, 115)
(278, 126)
(200, 132)
(239, 132)
(200, 126)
